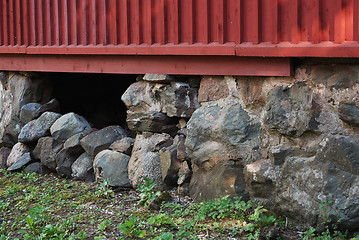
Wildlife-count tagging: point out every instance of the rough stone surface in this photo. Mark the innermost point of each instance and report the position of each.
(179, 100)
(349, 113)
(212, 88)
(64, 161)
(82, 168)
(145, 159)
(21, 162)
(52, 106)
(290, 110)
(222, 130)
(102, 139)
(33, 168)
(260, 177)
(17, 151)
(170, 165)
(147, 121)
(112, 166)
(46, 150)
(331, 175)
(28, 112)
(123, 145)
(38, 128)
(150, 77)
(69, 125)
(251, 88)
(184, 174)
(73, 144)
(224, 178)
(4, 154)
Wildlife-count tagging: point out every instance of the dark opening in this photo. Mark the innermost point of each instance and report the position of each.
(96, 97)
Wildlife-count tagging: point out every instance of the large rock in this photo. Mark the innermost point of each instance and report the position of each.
(163, 78)
(82, 168)
(21, 162)
(46, 151)
(145, 159)
(112, 166)
(4, 154)
(38, 128)
(17, 151)
(290, 110)
(334, 76)
(69, 125)
(221, 138)
(331, 178)
(28, 112)
(179, 100)
(102, 139)
(73, 144)
(33, 168)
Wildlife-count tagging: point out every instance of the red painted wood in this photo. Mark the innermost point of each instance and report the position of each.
(182, 65)
(271, 28)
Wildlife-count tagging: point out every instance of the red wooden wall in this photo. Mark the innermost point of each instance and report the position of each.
(270, 28)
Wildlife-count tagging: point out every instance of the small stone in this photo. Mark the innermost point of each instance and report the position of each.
(38, 128)
(102, 139)
(21, 162)
(69, 125)
(46, 150)
(184, 174)
(147, 121)
(51, 106)
(163, 78)
(64, 161)
(17, 151)
(162, 198)
(123, 145)
(33, 168)
(170, 165)
(28, 112)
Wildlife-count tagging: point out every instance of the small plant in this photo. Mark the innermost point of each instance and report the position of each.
(104, 191)
(147, 191)
(129, 228)
(104, 225)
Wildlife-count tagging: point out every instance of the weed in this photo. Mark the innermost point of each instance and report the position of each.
(147, 191)
(129, 228)
(104, 225)
(104, 191)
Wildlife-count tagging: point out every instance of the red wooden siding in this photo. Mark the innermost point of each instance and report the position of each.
(246, 28)
(181, 27)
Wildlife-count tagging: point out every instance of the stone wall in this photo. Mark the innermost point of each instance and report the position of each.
(289, 143)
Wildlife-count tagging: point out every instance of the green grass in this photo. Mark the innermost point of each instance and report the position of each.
(48, 207)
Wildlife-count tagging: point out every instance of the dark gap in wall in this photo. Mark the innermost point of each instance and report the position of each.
(96, 97)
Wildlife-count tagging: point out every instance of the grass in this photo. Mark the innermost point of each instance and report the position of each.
(48, 207)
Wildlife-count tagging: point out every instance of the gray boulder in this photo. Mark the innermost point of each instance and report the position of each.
(163, 78)
(4, 154)
(112, 166)
(147, 121)
(145, 160)
(290, 110)
(123, 145)
(82, 168)
(102, 139)
(46, 151)
(21, 162)
(28, 112)
(69, 125)
(17, 151)
(73, 144)
(38, 128)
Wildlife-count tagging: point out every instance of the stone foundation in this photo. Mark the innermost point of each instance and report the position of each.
(289, 143)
